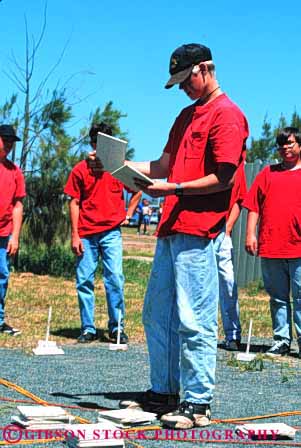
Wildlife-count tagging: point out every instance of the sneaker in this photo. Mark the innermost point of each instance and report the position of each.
(150, 401)
(7, 329)
(123, 337)
(86, 337)
(280, 348)
(187, 416)
(232, 346)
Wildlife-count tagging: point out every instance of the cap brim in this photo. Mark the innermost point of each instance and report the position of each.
(11, 137)
(179, 77)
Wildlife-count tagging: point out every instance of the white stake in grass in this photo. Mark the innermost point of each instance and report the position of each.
(48, 347)
(247, 356)
(48, 323)
(118, 346)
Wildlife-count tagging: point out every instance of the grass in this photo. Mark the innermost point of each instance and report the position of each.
(29, 297)
(256, 365)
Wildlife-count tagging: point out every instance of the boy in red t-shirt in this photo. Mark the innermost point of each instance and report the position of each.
(274, 201)
(12, 191)
(97, 209)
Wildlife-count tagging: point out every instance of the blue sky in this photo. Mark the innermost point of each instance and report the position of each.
(120, 51)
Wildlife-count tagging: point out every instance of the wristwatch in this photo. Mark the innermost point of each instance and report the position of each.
(127, 217)
(179, 191)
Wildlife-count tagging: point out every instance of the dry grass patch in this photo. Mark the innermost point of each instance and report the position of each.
(30, 296)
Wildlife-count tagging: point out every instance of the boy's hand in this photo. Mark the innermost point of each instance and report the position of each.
(125, 222)
(251, 245)
(77, 246)
(12, 246)
(157, 189)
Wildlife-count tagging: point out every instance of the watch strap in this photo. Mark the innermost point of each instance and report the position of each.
(179, 191)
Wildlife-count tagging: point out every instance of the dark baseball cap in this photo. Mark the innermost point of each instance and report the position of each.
(6, 130)
(183, 59)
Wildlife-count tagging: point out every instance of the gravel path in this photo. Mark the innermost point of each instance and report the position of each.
(94, 377)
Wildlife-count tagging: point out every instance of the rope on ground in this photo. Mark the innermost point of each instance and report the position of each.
(257, 417)
(42, 402)
(35, 398)
(39, 400)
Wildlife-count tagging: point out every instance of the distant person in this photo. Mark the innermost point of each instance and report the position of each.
(228, 292)
(140, 218)
(12, 192)
(205, 147)
(146, 215)
(274, 202)
(97, 210)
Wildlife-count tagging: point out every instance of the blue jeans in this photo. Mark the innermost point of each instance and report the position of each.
(228, 296)
(180, 317)
(4, 274)
(108, 245)
(282, 276)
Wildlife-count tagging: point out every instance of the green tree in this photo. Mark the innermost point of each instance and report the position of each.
(47, 151)
(112, 117)
(264, 147)
(45, 206)
(296, 120)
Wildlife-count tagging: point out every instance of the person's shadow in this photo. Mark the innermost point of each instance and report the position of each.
(92, 405)
(254, 348)
(74, 333)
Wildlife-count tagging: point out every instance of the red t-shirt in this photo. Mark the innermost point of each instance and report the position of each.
(239, 190)
(102, 205)
(201, 137)
(275, 195)
(12, 188)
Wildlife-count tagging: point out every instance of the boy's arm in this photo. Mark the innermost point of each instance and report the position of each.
(156, 169)
(133, 205)
(233, 217)
(251, 244)
(77, 246)
(13, 243)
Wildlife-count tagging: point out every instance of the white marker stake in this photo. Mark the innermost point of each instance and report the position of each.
(119, 327)
(48, 323)
(118, 346)
(48, 347)
(247, 356)
(249, 336)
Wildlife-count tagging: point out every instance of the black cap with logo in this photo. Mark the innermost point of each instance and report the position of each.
(183, 59)
(6, 130)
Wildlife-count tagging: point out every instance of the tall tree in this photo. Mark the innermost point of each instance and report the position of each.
(112, 117)
(296, 120)
(34, 98)
(45, 214)
(263, 148)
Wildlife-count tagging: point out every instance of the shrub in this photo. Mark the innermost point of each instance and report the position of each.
(57, 261)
